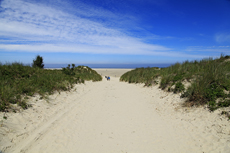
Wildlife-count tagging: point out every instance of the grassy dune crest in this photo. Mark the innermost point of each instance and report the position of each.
(209, 80)
(17, 82)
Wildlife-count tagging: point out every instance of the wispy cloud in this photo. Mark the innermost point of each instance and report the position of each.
(30, 26)
(34, 21)
(211, 49)
(222, 37)
(48, 29)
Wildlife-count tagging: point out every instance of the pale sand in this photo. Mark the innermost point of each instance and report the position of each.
(112, 72)
(114, 117)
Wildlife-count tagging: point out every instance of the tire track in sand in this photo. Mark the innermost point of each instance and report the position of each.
(112, 117)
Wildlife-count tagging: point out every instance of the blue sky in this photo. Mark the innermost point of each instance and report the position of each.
(113, 31)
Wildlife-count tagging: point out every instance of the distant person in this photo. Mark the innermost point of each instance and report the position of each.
(108, 78)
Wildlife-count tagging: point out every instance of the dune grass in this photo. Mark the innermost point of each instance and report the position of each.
(209, 79)
(141, 75)
(18, 81)
(82, 72)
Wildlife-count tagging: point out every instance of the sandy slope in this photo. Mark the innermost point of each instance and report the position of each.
(114, 117)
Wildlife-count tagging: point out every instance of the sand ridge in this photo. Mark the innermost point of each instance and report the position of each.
(112, 116)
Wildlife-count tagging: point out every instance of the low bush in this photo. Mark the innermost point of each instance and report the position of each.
(38, 62)
(68, 70)
(179, 87)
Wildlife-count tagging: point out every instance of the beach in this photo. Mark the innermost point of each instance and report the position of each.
(112, 72)
(113, 117)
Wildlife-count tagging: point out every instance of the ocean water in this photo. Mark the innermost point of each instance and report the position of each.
(120, 66)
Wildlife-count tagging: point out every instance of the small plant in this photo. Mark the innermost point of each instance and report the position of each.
(26, 97)
(4, 117)
(177, 78)
(38, 62)
(212, 105)
(226, 114)
(169, 89)
(213, 91)
(179, 87)
(225, 103)
(1, 124)
(68, 70)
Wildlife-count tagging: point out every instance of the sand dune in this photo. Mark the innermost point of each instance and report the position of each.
(114, 117)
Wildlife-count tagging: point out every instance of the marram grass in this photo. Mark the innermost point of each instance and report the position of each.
(18, 81)
(209, 79)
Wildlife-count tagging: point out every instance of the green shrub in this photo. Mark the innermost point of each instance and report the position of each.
(38, 62)
(68, 70)
(179, 87)
(178, 77)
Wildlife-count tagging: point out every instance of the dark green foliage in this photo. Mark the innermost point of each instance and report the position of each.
(179, 87)
(225, 103)
(68, 70)
(227, 114)
(38, 62)
(177, 78)
(213, 91)
(208, 77)
(18, 81)
(213, 105)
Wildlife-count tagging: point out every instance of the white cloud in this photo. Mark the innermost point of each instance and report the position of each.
(81, 48)
(222, 37)
(34, 22)
(40, 27)
(214, 49)
(137, 49)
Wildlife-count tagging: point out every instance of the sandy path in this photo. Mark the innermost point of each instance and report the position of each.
(112, 72)
(116, 117)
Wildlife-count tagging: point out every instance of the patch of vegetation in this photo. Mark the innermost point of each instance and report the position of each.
(86, 73)
(38, 62)
(18, 81)
(141, 75)
(179, 87)
(226, 114)
(209, 78)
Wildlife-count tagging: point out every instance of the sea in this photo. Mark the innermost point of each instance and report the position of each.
(112, 66)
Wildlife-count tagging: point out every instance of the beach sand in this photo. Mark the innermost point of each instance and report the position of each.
(114, 117)
(112, 72)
